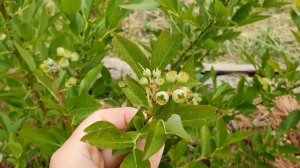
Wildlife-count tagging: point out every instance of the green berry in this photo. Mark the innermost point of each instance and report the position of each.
(188, 92)
(2, 37)
(159, 81)
(147, 72)
(182, 77)
(179, 96)
(49, 62)
(144, 81)
(171, 76)
(61, 51)
(74, 57)
(68, 54)
(64, 62)
(156, 73)
(71, 82)
(162, 98)
(44, 67)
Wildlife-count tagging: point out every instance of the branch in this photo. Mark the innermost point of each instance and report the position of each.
(3, 11)
(192, 45)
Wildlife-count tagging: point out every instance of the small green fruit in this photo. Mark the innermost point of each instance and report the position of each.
(144, 81)
(171, 76)
(49, 62)
(156, 73)
(179, 96)
(44, 67)
(2, 37)
(61, 51)
(74, 57)
(64, 62)
(147, 72)
(182, 77)
(162, 98)
(71, 82)
(159, 81)
(188, 92)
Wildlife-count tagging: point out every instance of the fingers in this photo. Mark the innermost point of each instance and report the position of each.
(120, 117)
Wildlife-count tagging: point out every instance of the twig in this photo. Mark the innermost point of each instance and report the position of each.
(192, 45)
(3, 11)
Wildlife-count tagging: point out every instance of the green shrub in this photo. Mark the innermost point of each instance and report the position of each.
(52, 77)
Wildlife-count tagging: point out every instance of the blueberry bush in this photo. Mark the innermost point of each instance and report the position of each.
(52, 77)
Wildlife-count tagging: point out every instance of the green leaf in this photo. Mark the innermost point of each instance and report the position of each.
(242, 13)
(273, 3)
(138, 123)
(46, 82)
(164, 112)
(219, 9)
(189, 67)
(135, 160)
(174, 126)
(165, 49)
(86, 7)
(99, 126)
(143, 5)
(221, 132)
(77, 23)
(135, 93)
(237, 137)
(7, 123)
(132, 125)
(4, 66)
(177, 154)
(195, 164)
(224, 153)
(252, 19)
(16, 149)
(81, 106)
(288, 149)
(24, 30)
(131, 54)
(70, 7)
(155, 139)
(205, 139)
(120, 152)
(26, 57)
(62, 78)
(196, 115)
(171, 5)
(250, 58)
(43, 21)
(110, 138)
(113, 14)
(89, 79)
(290, 122)
(296, 18)
(40, 137)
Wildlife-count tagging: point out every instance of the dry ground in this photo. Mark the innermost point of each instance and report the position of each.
(253, 37)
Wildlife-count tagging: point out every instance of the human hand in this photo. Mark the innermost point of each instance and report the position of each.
(76, 154)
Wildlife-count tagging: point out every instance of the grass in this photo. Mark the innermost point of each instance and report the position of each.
(273, 33)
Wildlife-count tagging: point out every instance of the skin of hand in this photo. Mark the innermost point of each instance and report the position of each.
(76, 154)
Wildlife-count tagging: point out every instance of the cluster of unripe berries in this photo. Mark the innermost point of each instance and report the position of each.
(71, 82)
(155, 79)
(66, 55)
(50, 66)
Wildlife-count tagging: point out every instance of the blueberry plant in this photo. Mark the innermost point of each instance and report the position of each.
(52, 77)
